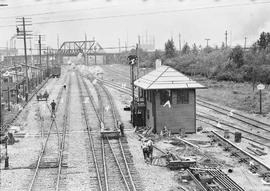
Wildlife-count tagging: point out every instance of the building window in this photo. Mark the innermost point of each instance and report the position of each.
(182, 96)
(165, 95)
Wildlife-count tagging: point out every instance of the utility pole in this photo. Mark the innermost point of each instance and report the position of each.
(119, 50)
(16, 73)
(119, 45)
(23, 34)
(25, 57)
(8, 84)
(207, 39)
(57, 41)
(226, 39)
(245, 45)
(39, 47)
(47, 61)
(1, 116)
(85, 50)
(180, 48)
(40, 44)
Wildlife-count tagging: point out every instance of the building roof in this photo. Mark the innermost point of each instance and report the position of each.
(165, 77)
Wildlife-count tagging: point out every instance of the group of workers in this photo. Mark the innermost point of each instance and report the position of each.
(147, 148)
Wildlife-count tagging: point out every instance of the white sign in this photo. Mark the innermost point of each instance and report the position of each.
(260, 86)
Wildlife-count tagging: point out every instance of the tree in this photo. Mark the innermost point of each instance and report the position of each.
(170, 50)
(186, 49)
(264, 40)
(237, 56)
(222, 46)
(194, 49)
(208, 49)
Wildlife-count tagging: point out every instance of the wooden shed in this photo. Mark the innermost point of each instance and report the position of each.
(170, 100)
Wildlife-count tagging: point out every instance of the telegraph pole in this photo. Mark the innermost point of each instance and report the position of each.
(180, 43)
(85, 50)
(23, 34)
(47, 61)
(245, 45)
(57, 41)
(39, 47)
(25, 57)
(1, 116)
(226, 39)
(207, 39)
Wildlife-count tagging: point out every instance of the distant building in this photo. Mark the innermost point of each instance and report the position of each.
(169, 99)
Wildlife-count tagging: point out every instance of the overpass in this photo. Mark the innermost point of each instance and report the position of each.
(88, 49)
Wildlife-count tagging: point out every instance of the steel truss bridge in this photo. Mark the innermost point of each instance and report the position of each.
(86, 48)
(74, 48)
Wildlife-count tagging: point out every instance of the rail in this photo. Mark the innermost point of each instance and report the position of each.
(246, 153)
(62, 147)
(45, 144)
(90, 136)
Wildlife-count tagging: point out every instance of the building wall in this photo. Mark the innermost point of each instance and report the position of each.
(178, 116)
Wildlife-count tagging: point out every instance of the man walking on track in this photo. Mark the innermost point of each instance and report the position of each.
(53, 104)
(150, 149)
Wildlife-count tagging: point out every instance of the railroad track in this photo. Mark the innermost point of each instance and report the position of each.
(235, 115)
(248, 135)
(260, 135)
(63, 138)
(265, 167)
(49, 158)
(251, 122)
(112, 160)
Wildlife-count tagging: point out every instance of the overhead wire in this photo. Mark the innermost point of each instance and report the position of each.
(39, 3)
(144, 13)
(57, 12)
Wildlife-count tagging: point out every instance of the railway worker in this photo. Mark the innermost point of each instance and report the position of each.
(65, 86)
(121, 127)
(149, 144)
(53, 104)
(144, 149)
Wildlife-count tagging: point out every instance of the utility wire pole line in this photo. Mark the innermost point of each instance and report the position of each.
(22, 22)
(245, 45)
(207, 39)
(47, 61)
(180, 48)
(226, 39)
(25, 56)
(1, 116)
(85, 50)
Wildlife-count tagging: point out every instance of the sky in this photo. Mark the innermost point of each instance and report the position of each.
(107, 21)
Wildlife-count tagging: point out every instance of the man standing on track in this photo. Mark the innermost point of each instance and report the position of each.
(145, 149)
(121, 127)
(53, 104)
(150, 149)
